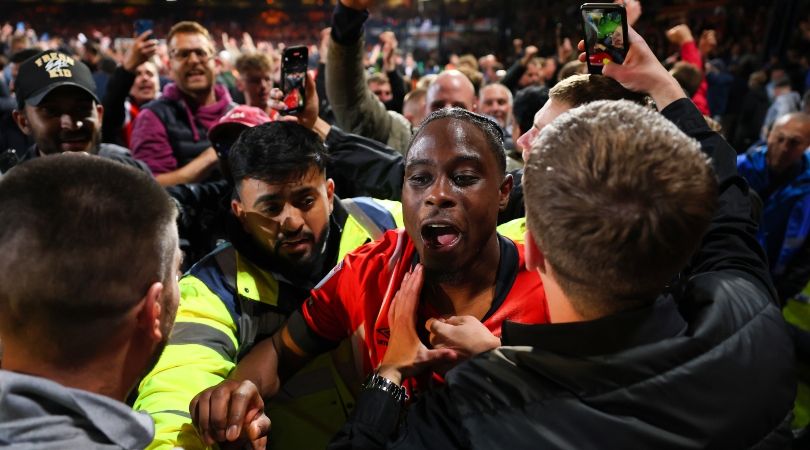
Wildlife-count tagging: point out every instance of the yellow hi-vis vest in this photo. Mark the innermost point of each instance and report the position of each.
(797, 314)
(228, 304)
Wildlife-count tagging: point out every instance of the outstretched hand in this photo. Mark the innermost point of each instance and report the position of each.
(642, 72)
(407, 355)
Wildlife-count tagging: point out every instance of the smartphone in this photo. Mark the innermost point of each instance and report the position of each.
(606, 36)
(142, 25)
(293, 78)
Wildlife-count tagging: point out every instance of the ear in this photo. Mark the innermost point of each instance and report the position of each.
(475, 104)
(330, 193)
(238, 210)
(240, 85)
(100, 112)
(535, 260)
(504, 191)
(21, 121)
(149, 314)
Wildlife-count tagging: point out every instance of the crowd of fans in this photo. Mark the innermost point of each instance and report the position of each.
(507, 249)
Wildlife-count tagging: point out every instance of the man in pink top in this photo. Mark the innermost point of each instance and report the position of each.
(171, 133)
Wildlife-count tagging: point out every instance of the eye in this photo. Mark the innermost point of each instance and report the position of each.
(419, 179)
(272, 209)
(306, 203)
(465, 179)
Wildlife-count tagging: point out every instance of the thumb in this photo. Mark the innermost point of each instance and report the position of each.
(613, 70)
(311, 91)
(436, 326)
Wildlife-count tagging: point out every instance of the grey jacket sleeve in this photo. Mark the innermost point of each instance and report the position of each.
(356, 108)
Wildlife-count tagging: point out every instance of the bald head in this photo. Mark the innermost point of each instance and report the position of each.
(495, 100)
(788, 140)
(451, 89)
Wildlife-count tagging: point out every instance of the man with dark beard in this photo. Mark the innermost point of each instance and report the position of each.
(57, 107)
(89, 296)
(287, 231)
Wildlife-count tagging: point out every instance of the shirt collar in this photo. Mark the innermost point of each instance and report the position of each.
(652, 323)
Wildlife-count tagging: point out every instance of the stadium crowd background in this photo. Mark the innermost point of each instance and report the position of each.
(744, 63)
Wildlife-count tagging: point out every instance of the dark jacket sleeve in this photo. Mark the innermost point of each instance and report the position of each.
(324, 108)
(432, 422)
(363, 167)
(397, 91)
(117, 90)
(796, 276)
(512, 76)
(730, 243)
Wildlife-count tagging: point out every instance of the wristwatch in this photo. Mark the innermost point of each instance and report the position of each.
(376, 382)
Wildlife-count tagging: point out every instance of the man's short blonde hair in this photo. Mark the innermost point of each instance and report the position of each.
(188, 27)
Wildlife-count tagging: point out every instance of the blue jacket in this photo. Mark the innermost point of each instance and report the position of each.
(785, 222)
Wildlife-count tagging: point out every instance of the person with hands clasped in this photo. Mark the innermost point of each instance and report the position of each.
(664, 331)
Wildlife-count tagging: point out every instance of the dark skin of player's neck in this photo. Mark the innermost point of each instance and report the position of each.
(467, 293)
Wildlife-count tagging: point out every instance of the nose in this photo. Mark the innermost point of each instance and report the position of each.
(440, 194)
(67, 122)
(525, 140)
(292, 221)
(194, 57)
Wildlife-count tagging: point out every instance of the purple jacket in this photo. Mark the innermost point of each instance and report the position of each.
(150, 140)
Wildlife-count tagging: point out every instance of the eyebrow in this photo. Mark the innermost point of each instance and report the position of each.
(466, 157)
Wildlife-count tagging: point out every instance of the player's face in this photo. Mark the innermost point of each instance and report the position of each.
(451, 195)
(288, 220)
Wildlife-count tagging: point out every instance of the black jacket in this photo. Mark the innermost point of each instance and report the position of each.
(709, 364)
(114, 102)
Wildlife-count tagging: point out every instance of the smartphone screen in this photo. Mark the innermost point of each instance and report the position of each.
(143, 25)
(293, 76)
(605, 28)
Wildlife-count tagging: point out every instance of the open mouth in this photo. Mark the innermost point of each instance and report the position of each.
(440, 235)
(195, 73)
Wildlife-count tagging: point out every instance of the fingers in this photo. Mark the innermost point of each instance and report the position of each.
(246, 396)
(437, 356)
(199, 410)
(142, 37)
(257, 431)
(439, 331)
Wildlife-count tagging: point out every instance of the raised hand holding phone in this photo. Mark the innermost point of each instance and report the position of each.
(604, 26)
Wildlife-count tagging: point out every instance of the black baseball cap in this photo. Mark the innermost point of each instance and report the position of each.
(48, 70)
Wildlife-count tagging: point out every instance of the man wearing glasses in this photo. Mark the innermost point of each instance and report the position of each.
(171, 133)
